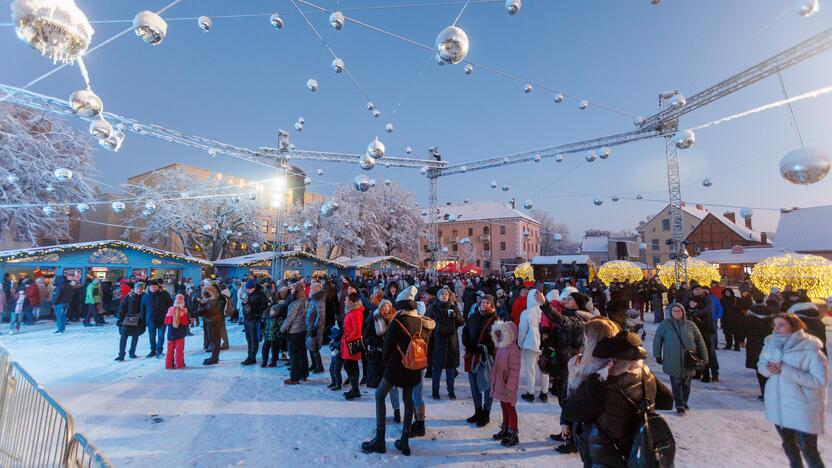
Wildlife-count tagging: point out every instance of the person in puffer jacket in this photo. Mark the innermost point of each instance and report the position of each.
(528, 338)
(796, 390)
(809, 314)
(315, 324)
(295, 327)
(505, 379)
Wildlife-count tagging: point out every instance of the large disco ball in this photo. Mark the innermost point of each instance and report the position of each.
(58, 29)
(746, 213)
(118, 206)
(590, 157)
(528, 204)
(204, 23)
(805, 166)
(337, 20)
(361, 183)
(685, 139)
(493, 184)
(598, 201)
(276, 21)
(101, 129)
(376, 148)
(62, 174)
(452, 45)
(85, 103)
(150, 27)
(312, 84)
(367, 162)
(337, 65)
(513, 6)
(807, 8)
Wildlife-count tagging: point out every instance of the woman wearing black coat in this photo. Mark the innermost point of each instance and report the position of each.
(131, 308)
(375, 327)
(758, 325)
(444, 346)
(731, 319)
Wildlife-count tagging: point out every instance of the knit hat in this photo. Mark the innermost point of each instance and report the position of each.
(251, 284)
(407, 294)
(567, 291)
(624, 345)
(552, 295)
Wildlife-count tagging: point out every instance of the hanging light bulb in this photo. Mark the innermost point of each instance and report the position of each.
(376, 149)
(452, 45)
(513, 6)
(62, 174)
(528, 88)
(101, 129)
(337, 20)
(58, 29)
(118, 206)
(150, 27)
(338, 65)
(85, 103)
(469, 69)
(276, 21)
(204, 23)
(558, 98)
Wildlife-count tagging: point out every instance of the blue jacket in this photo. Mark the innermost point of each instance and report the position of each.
(146, 308)
(717, 311)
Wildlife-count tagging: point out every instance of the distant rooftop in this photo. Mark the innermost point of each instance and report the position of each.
(480, 211)
(805, 229)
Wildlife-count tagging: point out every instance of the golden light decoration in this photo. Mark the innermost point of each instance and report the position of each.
(620, 270)
(802, 271)
(524, 271)
(698, 270)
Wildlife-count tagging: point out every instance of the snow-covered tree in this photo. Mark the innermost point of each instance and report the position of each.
(548, 244)
(207, 216)
(32, 147)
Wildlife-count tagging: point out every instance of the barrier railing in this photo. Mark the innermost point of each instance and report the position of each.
(35, 430)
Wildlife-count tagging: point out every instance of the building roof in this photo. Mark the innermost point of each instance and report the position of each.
(480, 211)
(565, 259)
(248, 260)
(362, 262)
(698, 213)
(739, 228)
(805, 229)
(595, 244)
(745, 255)
(18, 253)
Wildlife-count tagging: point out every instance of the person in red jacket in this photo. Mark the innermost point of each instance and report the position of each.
(518, 306)
(353, 322)
(177, 323)
(32, 301)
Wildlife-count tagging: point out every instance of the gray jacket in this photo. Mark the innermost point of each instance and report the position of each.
(315, 320)
(296, 319)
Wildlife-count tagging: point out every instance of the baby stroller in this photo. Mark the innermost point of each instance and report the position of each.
(634, 323)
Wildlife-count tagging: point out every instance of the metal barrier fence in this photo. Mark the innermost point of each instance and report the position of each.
(35, 430)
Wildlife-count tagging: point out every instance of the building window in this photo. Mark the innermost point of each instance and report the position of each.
(485, 230)
(502, 246)
(478, 262)
(486, 246)
(654, 244)
(502, 230)
(454, 248)
(657, 261)
(440, 233)
(471, 231)
(454, 234)
(665, 225)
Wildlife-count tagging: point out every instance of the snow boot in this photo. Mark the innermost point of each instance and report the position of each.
(151, 354)
(403, 444)
(484, 419)
(451, 396)
(528, 397)
(502, 434)
(376, 444)
(417, 429)
(397, 416)
(680, 411)
(435, 396)
(119, 358)
(510, 439)
(543, 397)
(248, 362)
(336, 387)
(556, 437)
(567, 447)
(715, 378)
(210, 361)
(290, 382)
(473, 419)
(353, 394)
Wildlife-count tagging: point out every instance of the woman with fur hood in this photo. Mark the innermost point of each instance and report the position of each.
(505, 379)
(603, 403)
(796, 390)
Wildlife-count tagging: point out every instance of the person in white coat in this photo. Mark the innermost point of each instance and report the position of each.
(528, 338)
(795, 394)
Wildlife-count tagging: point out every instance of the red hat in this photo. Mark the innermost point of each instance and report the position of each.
(529, 284)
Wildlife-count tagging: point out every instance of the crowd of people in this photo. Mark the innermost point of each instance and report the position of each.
(571, 340)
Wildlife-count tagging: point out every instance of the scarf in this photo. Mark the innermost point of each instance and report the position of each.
(779, 341)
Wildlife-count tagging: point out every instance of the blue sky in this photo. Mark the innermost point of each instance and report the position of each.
(243, 80)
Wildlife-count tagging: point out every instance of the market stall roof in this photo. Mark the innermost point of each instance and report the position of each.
(44, 250)
(363, 262)
(805, 229)
(595, 244)
(251, 259)
(739, 255)
(449, 268)
(565, 259)
(471, 269)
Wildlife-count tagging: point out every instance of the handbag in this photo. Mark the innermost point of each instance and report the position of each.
(130, 321)
(690, 360)
(356, 346)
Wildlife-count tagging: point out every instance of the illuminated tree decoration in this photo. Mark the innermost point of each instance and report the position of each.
(524, 271)
(802, 271)
(620, 270)
(698, 270)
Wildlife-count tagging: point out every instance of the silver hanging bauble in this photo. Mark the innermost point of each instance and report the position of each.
(707, 182)
(678, 101)
(493, 184)
(598, 201)
(337, 65)
(451, 45)
(685, 139)
(656, 2)
(605, 152)
(361, 183)
(388, 128)
(328, 208)
(57, 29)
(301, 120)
(291, 148)
(805, 166)
(528, 88)
(376, 149)
(307, 226)
(615, 198)
(252, 196)
(235, 199)
(639, 121)
(82, 207)
(276, 20)
(463, 168)
(62, 174)
(505, 160)
(373, 183)
(118, 206)
(312, 84)
(506, 188)
(337, 20)
(590, 157)
(212, 152)
(559, 158)
(528, 204)
(229, 232)
(320, 172)
(558, 237)
(807, 8)
(387, 182)
(558, 98)
(513, 6)
(85, 103)
(370, 105)
(307, 181)
(466, 201)
(746, 213)
(114, 142)
(465, 241)
(150, 205)
(444, 249)
(101, 129)
(439, 60)
(423, 170)
(408, 150)
(424, 212)
(376, 113)
(639, 196)
(204, 23)
(538, 158)
(150, 27)
(48, 210)
(469, 69)
(583, 104)
(49, 188)
(299, 126)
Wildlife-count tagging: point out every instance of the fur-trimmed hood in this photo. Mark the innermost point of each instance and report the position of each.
(508, 332)
(804, 309)
(211, 291)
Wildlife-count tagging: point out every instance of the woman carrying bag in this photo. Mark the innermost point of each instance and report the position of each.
(679, 347)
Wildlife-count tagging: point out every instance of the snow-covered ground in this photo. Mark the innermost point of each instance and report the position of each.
(141, 414)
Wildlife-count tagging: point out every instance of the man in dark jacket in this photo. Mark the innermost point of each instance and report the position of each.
(254, 306)
(131, 310)
(476, 337)
(156, 303)
(700, 309)
(758, 325)
(61, 298)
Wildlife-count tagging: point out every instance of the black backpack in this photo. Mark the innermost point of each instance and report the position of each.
(653, 444)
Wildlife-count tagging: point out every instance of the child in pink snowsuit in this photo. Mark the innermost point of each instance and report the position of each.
(177, 324)
(505, 379)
